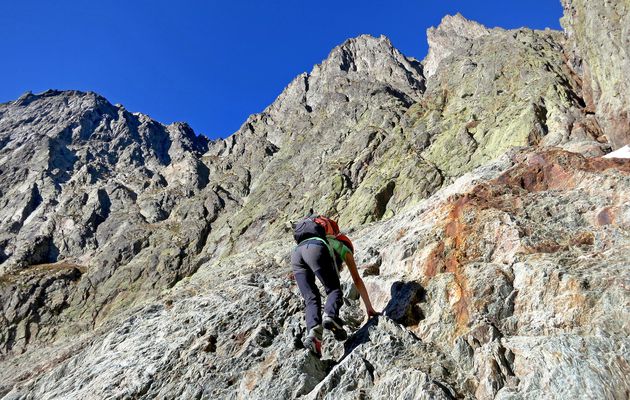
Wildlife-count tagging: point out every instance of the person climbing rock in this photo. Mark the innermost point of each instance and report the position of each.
(320, 252)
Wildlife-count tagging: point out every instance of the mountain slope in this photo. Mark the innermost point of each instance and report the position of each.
(507, 311)
(139, 260)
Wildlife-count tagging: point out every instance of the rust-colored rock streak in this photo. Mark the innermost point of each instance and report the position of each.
(548, 170)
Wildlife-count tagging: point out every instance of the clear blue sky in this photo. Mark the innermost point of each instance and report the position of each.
(212, 63)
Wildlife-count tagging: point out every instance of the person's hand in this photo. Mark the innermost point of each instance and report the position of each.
(372, 312)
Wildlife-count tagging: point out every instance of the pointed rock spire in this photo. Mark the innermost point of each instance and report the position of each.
(454, 31)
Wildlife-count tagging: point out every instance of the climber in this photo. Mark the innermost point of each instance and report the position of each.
(320, 252)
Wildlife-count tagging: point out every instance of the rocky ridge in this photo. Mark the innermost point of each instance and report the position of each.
(128, 246)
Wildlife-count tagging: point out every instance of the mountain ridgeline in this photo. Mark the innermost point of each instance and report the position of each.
(140, 260)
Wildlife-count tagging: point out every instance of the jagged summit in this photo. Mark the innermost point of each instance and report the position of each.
(458, 26)
(81, 116)
(367, 55)
(454, 31)
(58, 146)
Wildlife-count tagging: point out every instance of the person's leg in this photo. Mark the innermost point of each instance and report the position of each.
(318, 258)
(305, 280)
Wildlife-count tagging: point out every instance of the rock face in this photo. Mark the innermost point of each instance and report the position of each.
(138, 260)
(506, 312)
(599, 34)
(83, 185)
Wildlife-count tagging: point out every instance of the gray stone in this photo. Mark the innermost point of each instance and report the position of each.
(139, 260)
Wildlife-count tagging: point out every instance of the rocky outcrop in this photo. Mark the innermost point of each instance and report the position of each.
(138, 260)
(495, 287)
(599, 37)
(388, 145)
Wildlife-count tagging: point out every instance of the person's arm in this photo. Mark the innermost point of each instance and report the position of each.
(358, 282)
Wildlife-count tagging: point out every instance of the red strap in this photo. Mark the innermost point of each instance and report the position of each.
(345, 240)
(329, 225)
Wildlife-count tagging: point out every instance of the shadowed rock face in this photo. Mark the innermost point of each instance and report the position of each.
(138, 260)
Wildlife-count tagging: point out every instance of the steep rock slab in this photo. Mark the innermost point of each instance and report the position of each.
(496, 89)
(599, 34)
(534, 246)
(472, 310)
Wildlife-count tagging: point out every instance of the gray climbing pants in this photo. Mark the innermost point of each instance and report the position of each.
(309, 260)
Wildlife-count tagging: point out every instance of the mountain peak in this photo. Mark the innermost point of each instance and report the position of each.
(57, 97)
(452, 32)
(366, 42)
(461, 26)
(364, 54)
(368, 59)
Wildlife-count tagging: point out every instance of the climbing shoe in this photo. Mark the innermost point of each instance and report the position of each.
(335, 325)
(313, 341)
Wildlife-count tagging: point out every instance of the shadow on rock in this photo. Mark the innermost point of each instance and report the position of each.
(404, 305)
(403, 308)
(360, 337)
